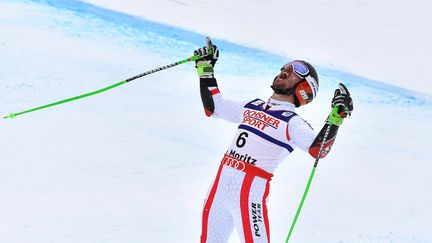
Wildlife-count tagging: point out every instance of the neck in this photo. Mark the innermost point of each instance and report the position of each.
(286, 98)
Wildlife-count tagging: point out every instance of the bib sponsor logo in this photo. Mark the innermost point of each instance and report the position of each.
(256, 217)
(287, 113)
(258, 102)
(246, 158)
(259, 119)
(233, 162)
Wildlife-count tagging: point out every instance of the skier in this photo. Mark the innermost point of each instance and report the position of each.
(267, 133)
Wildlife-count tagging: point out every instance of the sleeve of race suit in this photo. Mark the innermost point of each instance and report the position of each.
(215, 105)
(307, 140)
(315, 147)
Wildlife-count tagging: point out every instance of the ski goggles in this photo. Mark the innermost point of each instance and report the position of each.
(306, 90)
(298, 68)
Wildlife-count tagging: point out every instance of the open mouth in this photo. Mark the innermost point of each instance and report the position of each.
(279, 83)
(283, 76)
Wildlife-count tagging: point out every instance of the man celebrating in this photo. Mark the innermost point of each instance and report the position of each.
(267, 133)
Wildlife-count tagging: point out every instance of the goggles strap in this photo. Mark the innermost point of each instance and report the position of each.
(312, 84)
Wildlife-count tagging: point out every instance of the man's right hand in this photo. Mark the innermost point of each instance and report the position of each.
(210, 55)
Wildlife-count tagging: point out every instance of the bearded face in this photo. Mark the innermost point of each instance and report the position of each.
(286, 78)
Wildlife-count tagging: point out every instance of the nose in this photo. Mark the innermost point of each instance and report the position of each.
(284, 74)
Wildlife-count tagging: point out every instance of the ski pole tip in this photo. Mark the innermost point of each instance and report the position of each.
(11, 116)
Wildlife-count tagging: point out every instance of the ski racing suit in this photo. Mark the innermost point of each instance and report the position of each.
(267, 133)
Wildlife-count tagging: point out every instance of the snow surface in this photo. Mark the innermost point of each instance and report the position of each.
(387, 40)
(134, 164)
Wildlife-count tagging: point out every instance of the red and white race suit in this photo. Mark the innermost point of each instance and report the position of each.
(267, 133)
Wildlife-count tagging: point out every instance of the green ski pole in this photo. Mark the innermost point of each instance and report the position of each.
(192, 58)
(308, 183)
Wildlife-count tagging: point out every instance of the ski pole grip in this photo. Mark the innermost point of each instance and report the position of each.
(208, 41)
(209, 50)
(209, 46)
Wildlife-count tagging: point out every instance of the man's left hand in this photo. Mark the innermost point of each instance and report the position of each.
(342, 105)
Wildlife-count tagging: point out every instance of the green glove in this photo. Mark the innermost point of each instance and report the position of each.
(334, 117)
(342, 106)
(210, 55)
(205, 69)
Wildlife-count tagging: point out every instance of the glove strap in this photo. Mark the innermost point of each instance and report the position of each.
(334, 117)
(205, 70)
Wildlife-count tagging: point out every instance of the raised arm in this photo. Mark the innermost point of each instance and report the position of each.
(342, 106)
(213, 102)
